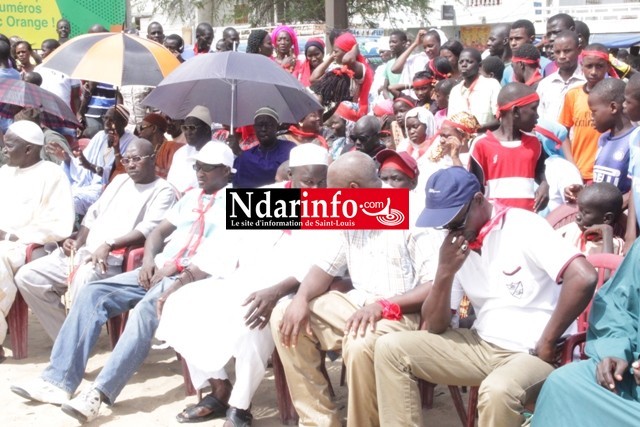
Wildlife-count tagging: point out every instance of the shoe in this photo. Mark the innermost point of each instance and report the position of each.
(239, 417)
(42, 391)
(85, 407)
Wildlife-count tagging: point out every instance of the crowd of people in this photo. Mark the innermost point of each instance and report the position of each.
(487, 143)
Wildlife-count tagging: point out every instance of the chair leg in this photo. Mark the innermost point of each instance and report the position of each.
(472, 407)
(115, 327)
(426, 393)
(18, 320)
(323, 369)
(288, 414)
(458, 403)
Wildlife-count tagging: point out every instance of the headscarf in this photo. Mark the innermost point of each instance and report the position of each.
(463, 121)
(425, 117)
(346, 42)
(303, 68)
(292, 35)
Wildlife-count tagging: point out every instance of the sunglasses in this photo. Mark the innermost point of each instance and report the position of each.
(459, 225)
(190, 128)
(135, 159)
(355, 137)
(205, 168)
(141, 128)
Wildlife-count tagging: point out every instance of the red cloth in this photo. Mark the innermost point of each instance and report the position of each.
(300, 133)
(346, 42)
(605, 56)
(520, 102)
(501, 211)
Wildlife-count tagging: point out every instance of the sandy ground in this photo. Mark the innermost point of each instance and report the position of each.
(155, 394)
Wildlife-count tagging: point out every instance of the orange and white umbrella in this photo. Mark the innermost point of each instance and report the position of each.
(115, 58)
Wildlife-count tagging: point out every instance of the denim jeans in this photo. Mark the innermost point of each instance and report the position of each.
(95, 304)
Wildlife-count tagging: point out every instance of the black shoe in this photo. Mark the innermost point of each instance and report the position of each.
(239, 417)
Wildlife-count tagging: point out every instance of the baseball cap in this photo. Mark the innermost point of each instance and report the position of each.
(216, 153)
(447, 192)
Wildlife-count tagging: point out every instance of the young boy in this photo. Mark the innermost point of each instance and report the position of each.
(526, 65)
(492, 67)
(509, 161)
(612, 158)
(440, 96)
(632, 111)
(582, 145)
(600, 205)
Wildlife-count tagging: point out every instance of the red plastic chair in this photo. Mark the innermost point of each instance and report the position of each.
(18, 318)
(562, 215)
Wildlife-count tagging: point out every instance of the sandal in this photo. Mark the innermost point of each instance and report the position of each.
(209, 408)
(239, 417)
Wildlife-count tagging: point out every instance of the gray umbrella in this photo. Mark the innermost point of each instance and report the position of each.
(232, 85)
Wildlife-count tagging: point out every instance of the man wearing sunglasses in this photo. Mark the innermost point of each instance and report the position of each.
(130, 207)
(526, 285)
(197, 132)
(186, 246)
(365, 136)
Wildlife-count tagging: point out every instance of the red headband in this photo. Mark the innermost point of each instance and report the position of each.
(601, 55)
(520, 102)
(406, 101)
(526, 60)
(395, 162)
(458, 126)
(436, 72)
(422, 82)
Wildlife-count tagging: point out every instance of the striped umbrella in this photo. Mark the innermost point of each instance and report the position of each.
(115, 58)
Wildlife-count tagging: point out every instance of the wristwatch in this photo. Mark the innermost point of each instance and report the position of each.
(111, 243)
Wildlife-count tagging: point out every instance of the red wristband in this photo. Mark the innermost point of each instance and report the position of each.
(390, 310)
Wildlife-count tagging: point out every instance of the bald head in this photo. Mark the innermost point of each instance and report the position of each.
(97, 28)
(144, 147)
(498, 40)
(353, 170)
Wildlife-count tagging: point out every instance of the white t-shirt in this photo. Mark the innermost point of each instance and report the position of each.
(513, 284)
(181, 174)
(560, 173)
(481, 99)
(57, 83)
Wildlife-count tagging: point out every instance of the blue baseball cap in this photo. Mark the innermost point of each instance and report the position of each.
(447, 192)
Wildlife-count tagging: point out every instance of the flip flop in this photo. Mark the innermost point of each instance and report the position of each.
(239, 417)
(217, 409)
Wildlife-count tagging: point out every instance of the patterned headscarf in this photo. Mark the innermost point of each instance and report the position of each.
(464, 121)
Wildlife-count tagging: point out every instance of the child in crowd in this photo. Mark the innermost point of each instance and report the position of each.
(422, 86)
(582, 145)
(401, 105)
(509, 161)
(440, 96)
(632, 111)
(492, 67)
(612, 158)
(600, 205)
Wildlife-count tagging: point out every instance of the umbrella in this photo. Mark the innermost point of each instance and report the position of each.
(232, 85)
(115, 58)
(17, 94)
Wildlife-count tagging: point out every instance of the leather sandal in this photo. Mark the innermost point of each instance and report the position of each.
(213, 406)
(239, 417)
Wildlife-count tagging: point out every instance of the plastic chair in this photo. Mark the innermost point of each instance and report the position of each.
(562, 215)
(18, 318)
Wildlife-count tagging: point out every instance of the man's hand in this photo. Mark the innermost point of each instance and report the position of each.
(636, 371)
(368, 315)
(261, 305)
(295, 320)
(541, 197)
(113, 139)
(571, 192)
(83, 160)
(167, 270)
(147, 271)
(452, 255)
(549, 352)
(598, 232)
(69, 245)
(99, 257)
(610, 370)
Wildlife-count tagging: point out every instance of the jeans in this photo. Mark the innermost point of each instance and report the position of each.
(95, 304)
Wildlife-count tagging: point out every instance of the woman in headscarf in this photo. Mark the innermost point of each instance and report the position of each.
(285, 42)
(309, 130)
(350, 79)
(314, 54)
(453, 144)
(420, 126)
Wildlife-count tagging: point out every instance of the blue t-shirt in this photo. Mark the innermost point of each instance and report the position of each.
(255, 167)
(612, 160)
(507, 76)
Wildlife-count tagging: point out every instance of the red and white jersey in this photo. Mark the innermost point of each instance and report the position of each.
(508, 168)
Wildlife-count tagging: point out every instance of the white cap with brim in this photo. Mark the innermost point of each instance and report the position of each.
(216, 153)
(201, 113)
(27, 131)
(308, 154)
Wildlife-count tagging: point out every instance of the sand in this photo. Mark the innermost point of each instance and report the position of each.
(155, 394)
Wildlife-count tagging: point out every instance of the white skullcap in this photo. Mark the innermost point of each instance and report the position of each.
(308, 154)
(216, 153)
(201, 113)
(27, 131)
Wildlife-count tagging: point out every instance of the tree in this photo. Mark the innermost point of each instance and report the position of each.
(261, 12)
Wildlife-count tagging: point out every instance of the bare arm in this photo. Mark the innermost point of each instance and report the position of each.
(402, 59)
(153, 246)
(321, 69)
(579, 283)
(630, 234)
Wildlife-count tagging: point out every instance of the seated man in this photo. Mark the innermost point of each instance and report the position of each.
(271, 266)
(95, 165)
(36, 207)
(508, 262)
(604, 390)
(391, 272)
(124, 215)
(152, 128)
(258, 165)
(191, 226)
